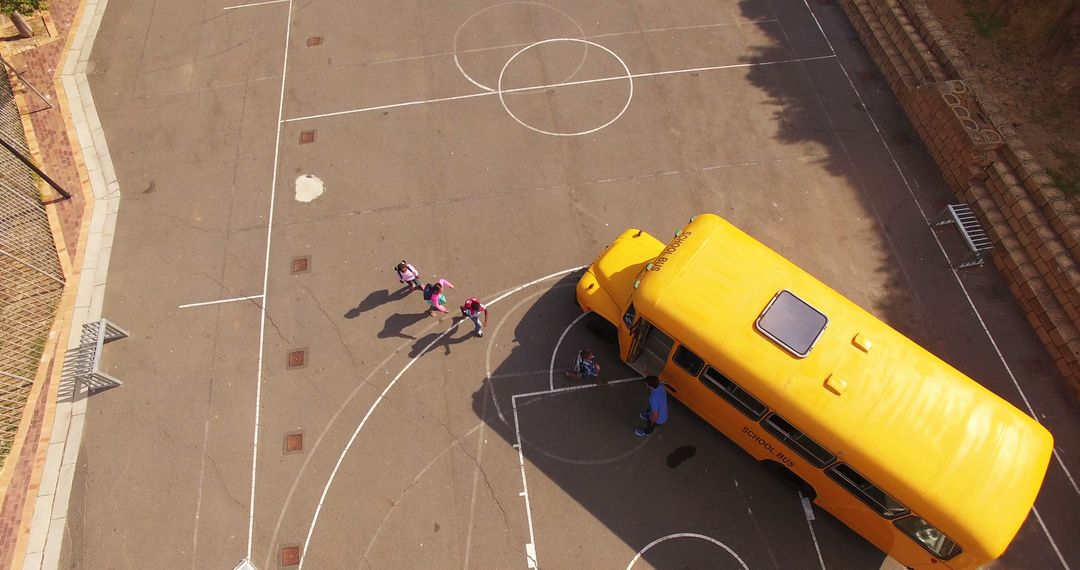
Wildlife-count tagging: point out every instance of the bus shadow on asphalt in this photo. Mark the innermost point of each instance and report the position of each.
(608, 486)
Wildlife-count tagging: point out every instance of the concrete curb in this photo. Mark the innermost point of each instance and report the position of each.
(50, 510)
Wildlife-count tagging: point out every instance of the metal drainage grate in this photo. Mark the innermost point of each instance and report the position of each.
(296, 359)
(290, 555)
(314, 41)
(294, 442)
(307, 137)
(300, 264)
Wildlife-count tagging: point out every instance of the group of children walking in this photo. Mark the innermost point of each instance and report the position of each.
(436, 298)
(585, 366)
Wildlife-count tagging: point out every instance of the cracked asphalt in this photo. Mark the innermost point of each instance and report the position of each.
(410, 435)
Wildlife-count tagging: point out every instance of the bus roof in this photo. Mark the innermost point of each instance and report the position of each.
(956, 454)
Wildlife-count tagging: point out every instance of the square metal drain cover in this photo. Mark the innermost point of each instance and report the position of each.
(296, 359)
(307, 136)
(290, 555)
(314, 41)
(300, 264)
(294, 442)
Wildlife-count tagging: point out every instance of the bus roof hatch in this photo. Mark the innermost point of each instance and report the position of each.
(792, 323)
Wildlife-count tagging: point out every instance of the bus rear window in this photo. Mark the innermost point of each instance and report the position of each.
(730, 391)
(798, 441)
(867, 492)
(929, 537)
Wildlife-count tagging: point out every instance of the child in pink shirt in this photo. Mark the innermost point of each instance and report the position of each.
(437, 299)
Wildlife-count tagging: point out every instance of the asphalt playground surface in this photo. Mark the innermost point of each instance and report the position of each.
(501, 146)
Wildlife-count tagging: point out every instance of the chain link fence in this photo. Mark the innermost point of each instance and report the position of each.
(31, 279)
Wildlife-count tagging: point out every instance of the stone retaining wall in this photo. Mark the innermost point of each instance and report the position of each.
(1036, 231)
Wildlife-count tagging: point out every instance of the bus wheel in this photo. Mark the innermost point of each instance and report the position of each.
(600, 327)
(790, 479)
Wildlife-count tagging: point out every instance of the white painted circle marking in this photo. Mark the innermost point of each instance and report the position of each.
(454, 47)
(502, 99)
(686, 535)
(309, 187)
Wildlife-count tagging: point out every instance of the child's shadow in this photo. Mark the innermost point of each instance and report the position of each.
(395, 325)
(445, 342)
(376, 298)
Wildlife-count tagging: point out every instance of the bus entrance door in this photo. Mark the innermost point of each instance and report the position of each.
(651, 349)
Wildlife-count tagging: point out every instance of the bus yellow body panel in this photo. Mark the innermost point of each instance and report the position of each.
(949, 450)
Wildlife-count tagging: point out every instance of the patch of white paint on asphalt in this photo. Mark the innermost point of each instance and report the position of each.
(309, 187)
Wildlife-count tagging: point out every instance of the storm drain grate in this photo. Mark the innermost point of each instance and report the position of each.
(296, 359)
(314, 41)
(294, 442)
(307, 137)
(300, 264)
(290, 555)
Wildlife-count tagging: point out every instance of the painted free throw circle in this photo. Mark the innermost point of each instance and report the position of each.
(502, 99)
(641, 552)
(519, 3)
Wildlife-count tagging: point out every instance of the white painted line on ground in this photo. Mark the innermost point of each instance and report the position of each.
(554, 85)
(205, 303)
(530, 547)
(382, 523)
(637, 556)
(584, 37)
(266, 280)
(382, 397)
(1053, 544)
(574, 388)
(808, 510)
(956, 275)
(256, 4)
(558, 343)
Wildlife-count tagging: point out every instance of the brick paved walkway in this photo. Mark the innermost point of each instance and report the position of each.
(54, 150)
(40, 66)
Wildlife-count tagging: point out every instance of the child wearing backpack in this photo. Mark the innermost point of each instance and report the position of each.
(585, 368)
(433, 294)
(471, 310)
(408, 275)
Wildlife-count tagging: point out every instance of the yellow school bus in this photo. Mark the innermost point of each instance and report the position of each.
(925, 463)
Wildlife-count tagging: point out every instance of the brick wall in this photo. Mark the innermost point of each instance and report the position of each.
(1036, 231)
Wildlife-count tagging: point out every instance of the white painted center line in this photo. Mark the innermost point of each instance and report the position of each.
(220, 301)
(252, 5)
(553, 85)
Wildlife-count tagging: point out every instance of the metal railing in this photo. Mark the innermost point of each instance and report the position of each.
(31, 278)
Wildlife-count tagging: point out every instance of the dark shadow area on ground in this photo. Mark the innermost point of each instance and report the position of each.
(396, 324)
(375, 299)
(686, 478)
(462, 333)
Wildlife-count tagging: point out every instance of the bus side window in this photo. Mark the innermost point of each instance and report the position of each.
(867, 492)
(798, 441)
(630, 315)
(688, 361)
(929, 537)
(736, 396)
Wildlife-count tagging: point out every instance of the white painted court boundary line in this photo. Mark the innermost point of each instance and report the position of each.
(218, 302)
(553, 85)
(57, 476)
(256, 4)
(956, 276)
(382, 396)
(808, 510)
(266, 280)
(637, 556)
(530, 548)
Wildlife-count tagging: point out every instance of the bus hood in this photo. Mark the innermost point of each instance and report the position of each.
(609, 282)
